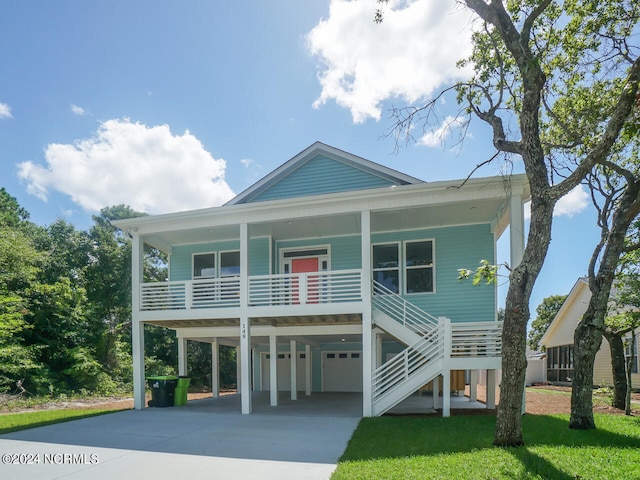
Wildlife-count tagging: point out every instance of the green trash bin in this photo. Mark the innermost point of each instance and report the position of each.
(163, 389)
(181, 390)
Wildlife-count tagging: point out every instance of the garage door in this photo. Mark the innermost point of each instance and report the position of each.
(284, 372)
(342, 371)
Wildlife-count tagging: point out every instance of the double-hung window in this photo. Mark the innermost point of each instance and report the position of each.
(405, 267)
(386, 265)
(216, 264)
(204, 265)
(418, 261)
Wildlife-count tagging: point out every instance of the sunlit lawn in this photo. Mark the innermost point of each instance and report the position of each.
(461, 447)
(11, 422)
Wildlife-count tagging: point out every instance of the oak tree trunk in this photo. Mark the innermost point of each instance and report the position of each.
(514, 334)
(618, 369)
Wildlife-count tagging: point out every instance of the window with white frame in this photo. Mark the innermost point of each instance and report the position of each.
(418, 262)
(216, 264)
(229, 264)
(204, 265)
(386, 265)
(406, 267)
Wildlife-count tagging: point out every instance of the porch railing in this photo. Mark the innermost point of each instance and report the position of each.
(265, 290)
(476, 339)
(184, 295)
(306, 288)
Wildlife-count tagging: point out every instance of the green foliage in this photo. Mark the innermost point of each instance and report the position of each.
(486, 273)
(65, 304)
(11, 213)
(545, 313)
(14, 422)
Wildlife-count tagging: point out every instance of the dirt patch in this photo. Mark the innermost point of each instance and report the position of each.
(100, 403)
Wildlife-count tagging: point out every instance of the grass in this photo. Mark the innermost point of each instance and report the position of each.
(461, 447)
(12, 422)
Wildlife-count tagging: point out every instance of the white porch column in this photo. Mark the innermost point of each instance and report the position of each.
(516, 229)
(294, 369)
(273, 370)
(367, 324)
(137, 327)
(379, 360)
(307, 369)
(238, 370)
(245, 363)
(446, 392)
(491, 389)
(182, 356)
(436, 393)
(473, 385)
(215, 368)
(446, 370)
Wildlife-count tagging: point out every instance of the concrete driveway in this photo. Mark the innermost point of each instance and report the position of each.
(170, 443)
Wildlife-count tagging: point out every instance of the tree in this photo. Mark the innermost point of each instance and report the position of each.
(546, 312)
(556, 83)
(615, 187)
(11, 213)
(624, 318)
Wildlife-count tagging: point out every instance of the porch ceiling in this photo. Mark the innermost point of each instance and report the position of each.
(292, 321)
(432, 216)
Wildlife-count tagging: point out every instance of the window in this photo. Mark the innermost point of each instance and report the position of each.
(386, 266)
(419, 266)
(204, 265)
(631, 350)
(229, 264)
(560, 363)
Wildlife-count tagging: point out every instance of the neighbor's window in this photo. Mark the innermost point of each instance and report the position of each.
(204, 265)
(560, 363)
(386, 266)
(419, 266)
(631, 350)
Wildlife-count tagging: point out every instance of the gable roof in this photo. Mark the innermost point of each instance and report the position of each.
(319, 169)
(570, 311)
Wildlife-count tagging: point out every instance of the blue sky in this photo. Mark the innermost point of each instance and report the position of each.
(168, 105)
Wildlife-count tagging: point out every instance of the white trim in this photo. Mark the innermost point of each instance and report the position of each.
(398, 244)
(312, 152)
(433, 265)
(215, 264)
(378, 199)
(326, 257)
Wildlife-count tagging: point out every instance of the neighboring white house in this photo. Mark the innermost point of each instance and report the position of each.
(558, 342)
(334, 273)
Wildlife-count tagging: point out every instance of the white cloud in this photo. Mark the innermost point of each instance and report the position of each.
(410, 55)
(248, 163)
(5, 111)
(148, 168)
(437, 136)
(76, 110)
(574, 202)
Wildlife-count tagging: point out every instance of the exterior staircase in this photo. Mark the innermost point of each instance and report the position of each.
(416, 365)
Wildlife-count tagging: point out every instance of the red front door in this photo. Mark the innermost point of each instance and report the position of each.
(305, 265)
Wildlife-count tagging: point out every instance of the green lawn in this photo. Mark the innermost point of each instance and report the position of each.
(461, 448)
(12, 422)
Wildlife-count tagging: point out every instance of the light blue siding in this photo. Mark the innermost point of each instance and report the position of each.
(345, 251)
(181, 258)
(455, 247)
(321, 175)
